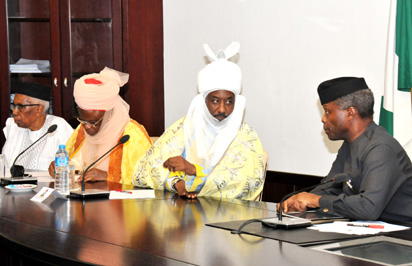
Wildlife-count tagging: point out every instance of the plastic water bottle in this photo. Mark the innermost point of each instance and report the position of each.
(62, 171)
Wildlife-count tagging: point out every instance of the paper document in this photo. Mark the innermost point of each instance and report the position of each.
(358, 227)
(30, 66)
(132, 194)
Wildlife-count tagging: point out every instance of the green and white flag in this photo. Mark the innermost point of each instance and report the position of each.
(396, 111)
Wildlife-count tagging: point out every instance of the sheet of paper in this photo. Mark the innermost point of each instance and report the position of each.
(132, 194)
(357, 227)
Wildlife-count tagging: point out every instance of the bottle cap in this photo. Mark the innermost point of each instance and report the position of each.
(62, 146)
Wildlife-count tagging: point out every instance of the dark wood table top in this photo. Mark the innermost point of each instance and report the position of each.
(161, 231)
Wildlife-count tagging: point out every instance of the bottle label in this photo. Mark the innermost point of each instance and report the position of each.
(61, 161)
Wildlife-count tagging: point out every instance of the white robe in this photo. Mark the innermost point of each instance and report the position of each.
(42, 153)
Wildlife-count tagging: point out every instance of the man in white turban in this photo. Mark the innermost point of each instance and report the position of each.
(211, 151)
(104, 119)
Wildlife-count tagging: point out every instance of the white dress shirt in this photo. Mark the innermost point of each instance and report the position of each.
(42, 153)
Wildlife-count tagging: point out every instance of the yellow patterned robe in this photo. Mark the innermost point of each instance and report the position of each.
(239, 174)
(124, 157)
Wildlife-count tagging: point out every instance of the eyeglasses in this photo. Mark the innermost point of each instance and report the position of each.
(21, 106)
(88, 123)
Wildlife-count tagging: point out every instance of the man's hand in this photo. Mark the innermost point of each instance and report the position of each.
(300, 202)
(51, 169)
(94, 175)
(182, 192)
(178, 163)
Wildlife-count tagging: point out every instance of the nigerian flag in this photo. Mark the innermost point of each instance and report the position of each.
(396, 113)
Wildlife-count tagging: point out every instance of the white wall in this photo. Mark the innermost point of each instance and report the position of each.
(287, 48)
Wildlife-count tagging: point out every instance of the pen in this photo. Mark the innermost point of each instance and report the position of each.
(375, 226)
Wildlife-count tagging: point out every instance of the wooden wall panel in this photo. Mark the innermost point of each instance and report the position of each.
(4, 71)
(145, 64)
(278, 184)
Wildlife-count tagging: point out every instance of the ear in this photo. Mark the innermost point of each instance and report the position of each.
(352, 112)
(40, 110)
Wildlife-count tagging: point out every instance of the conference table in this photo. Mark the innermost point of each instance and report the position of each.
(165, 230)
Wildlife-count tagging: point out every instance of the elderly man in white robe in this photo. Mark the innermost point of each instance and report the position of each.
(28, 123)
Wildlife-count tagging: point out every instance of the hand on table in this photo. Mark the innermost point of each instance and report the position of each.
(94, 175)
(300, 202)
(182, 192)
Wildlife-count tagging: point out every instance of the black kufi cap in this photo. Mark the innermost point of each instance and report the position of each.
(333, 89)
(31, 89)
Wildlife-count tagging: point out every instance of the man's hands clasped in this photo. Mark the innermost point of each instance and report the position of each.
(178, 163)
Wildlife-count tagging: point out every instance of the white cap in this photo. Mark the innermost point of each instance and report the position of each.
(220, 74)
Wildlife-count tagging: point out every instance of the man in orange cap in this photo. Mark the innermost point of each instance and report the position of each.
(104, 119)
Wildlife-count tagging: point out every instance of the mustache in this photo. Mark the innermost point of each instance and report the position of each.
(220, 115)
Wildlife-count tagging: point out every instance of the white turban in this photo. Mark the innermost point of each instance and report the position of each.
(220, 73)
(207, 138)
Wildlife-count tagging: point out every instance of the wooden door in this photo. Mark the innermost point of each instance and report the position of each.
(83, 36)
(91, 38)
(28, 31)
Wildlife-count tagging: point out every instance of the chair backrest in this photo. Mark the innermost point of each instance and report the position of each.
(265, 163)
